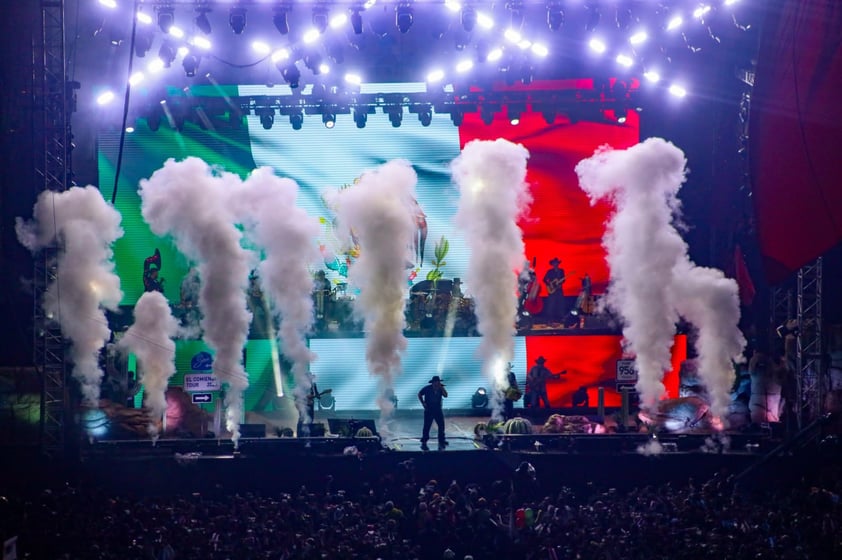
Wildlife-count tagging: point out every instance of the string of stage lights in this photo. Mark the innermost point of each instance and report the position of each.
(635, 41)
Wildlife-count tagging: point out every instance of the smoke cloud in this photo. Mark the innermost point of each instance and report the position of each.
(190, 202)
(653, 282)
(287, 235)
(83, 226)
(379, 209)
(491, 176)
(150, 338)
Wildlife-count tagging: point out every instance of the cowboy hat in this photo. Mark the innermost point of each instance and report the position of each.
(434, 379)
(555, 261)
(540, 360)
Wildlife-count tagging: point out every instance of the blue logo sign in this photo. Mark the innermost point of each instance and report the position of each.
(202, 361)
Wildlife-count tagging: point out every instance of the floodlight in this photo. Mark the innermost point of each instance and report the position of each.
(202, 22)
(296, 119)
(237, 19)
(267, 117)
(480, 398)
(166, 18)
(190, 65)
(403, 17)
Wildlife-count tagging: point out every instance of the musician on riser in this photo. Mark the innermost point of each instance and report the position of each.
(554, 282)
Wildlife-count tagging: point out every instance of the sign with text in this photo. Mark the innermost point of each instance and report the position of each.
(202, 398)
(626, 372)
(201, 382)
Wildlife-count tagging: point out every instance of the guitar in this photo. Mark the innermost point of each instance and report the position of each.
(533, 384)
(555, 284)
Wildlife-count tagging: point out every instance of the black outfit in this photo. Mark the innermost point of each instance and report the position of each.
(554, 303)
(432, 396)
(509, 404)
(580, 398)
(151, 282)
(536, 380)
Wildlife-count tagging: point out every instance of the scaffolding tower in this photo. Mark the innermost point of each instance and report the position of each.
(52, 107)
(809, 363)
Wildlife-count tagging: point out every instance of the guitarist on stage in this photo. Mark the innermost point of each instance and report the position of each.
(554, 282)
(536, 383)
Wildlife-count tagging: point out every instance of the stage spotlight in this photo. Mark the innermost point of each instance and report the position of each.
(457, 116)
(677, 91)
(291, 75)
(320, 18)
(237, 19)
(593, 17)
(202, 21)
(514, 111)
(403, 17)
(486, 113)
(357, 21)
(296, 119)
(267, 117)
(469, 18)
(142, 42)
(328, 119)
(166, 18)
(280, 20)
(313, 62)
(360, 116)
(395, 115)
(555, 16)
(480, 398)
(167, 54)
(190, 65)
(549, 115)
(425, 115)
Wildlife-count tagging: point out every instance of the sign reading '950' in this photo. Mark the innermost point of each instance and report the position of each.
(201, 382)
(626, 372)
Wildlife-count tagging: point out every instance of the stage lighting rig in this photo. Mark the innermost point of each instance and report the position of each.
(404, 16)
(357, 20)
(425, 115)
(486, 113)
(142, 42)
(167, 54)
(320, 18)
(166, 17)
(469, 18)
(328, 118)
(190, 65)
(280, 19)
(202, 22)
(480, 398)
(395, 113)
(237, 19)
(360, 116)
(555, 16)
(313, 62)
(292, 75)
(296, 118)
(267, 117)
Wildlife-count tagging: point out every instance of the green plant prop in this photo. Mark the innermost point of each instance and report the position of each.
(442, 247)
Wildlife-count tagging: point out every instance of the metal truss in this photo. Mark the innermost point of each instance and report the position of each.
(809, 366)
(52, 99)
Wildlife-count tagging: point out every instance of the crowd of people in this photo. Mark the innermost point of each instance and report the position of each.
(402, 517)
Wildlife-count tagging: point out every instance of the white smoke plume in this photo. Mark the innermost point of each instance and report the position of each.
(188, 201)
(652, 278)
(150, 338)
(710, 301)
(491, 176)
(83, 226)
(379, 209)
(287, 235)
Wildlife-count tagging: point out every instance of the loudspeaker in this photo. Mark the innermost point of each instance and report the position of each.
(253, 430)
(348, 427)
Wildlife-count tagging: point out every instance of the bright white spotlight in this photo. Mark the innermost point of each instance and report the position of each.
(625, 60)
(280, 54)
(512, 36)
(176, 32)
(464, 65)
(540, 50)
(105, 98)
(638, 38)
(701, 11)
(136, 78)
(453, 5)
(183, 51)
(338, 21)
(144, 18)
(524, 44)
(155, 65)
(311, 35)
(730, 2)
(674, 23)
(369, 4)
(129, 129)
(354, 79)
(108, 3)
(677, 90)
(484, 20)
(201, 42)
(652, 76)
(324, 68)
(495, 54)
(597, 46)
(435, 76)
(261, 48)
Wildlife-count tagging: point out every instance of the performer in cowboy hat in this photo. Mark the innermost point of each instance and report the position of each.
(431, 396)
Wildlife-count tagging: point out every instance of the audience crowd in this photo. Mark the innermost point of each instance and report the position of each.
(403, 518)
